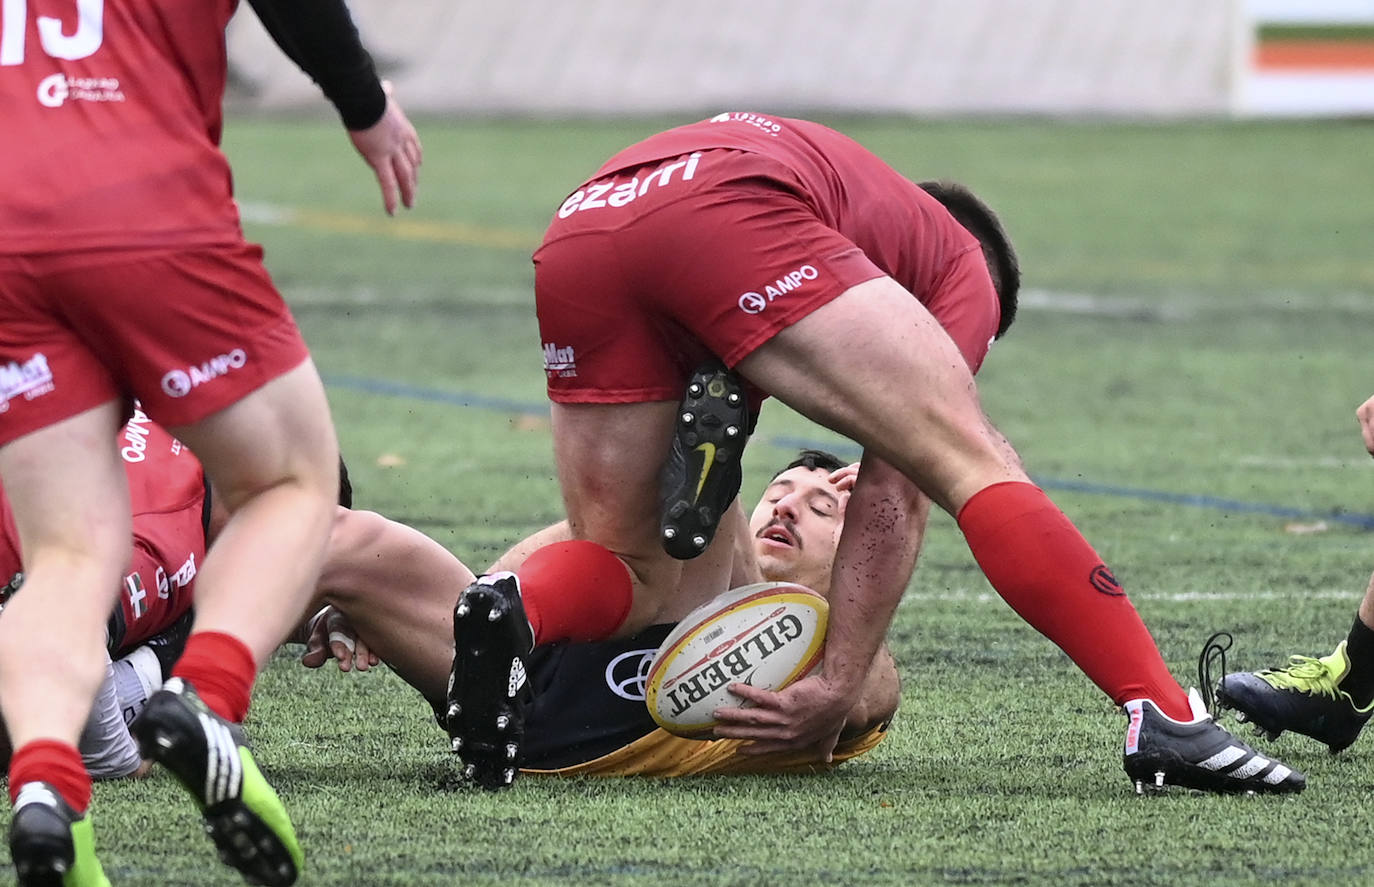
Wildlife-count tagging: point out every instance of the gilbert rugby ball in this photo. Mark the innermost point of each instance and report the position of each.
(769, 635)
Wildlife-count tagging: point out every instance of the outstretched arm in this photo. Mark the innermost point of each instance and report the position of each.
(320, 37)
(878, 698)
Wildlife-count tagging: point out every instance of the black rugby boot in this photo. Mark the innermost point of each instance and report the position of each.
(1305, 697)
(49, 844)
(210, 758)
(702, 475)
(1197, 754)
(488, 686)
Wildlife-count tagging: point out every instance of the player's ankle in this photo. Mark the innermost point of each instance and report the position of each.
(1359, 680)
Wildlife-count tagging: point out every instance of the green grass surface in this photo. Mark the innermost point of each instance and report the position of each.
(1196, 324)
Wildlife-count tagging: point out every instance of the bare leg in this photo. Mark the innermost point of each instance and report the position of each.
(274, 460)
(397, 587)
(609, 457)
(74, 528)
(875, 366)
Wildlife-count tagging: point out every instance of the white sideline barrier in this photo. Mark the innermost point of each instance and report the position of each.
(608, 57)
(1071, 58)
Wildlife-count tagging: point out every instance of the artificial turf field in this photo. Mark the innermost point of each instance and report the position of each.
(1182, 378)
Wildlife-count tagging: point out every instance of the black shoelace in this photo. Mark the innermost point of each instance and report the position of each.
(1213, 652)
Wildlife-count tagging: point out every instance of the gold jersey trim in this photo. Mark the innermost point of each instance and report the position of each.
(661, 754)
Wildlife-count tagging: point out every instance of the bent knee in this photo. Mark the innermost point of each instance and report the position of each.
(309, 480)
(353, 549)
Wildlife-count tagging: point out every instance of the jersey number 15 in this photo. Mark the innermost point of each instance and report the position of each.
(90, 30)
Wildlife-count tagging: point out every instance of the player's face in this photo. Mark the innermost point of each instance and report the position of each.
(796, 526)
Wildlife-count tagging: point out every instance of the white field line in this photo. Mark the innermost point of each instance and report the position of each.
(1180, 307)
(955, 595)
(1176, 307)
(1285, 463)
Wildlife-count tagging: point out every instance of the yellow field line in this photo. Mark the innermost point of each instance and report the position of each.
(465, 234)
(457, 233)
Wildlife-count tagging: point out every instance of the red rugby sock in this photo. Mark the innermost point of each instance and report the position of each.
(575, 591)
(222, 670)
(1044, 568)
(56, 763)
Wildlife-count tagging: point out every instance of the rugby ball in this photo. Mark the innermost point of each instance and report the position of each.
(769, 635)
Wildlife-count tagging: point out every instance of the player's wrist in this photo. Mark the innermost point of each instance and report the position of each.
(841, 676)
(361, 106)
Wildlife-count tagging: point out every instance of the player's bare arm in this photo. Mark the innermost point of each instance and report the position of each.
(1365, 414)
(884, 524)
(878, 699)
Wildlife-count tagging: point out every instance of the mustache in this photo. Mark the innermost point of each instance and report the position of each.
(789, 526)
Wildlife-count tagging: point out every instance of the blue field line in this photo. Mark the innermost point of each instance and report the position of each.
(1194, 500)
(852, 451)
(1354, 519)
(433, 395)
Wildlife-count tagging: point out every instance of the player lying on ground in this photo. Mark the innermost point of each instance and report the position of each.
(146, 632)
(594, 719)
(1329, 699)
(393, 589)
(172, 523)
(863, 301)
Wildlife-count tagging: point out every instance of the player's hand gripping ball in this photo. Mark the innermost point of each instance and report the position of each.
(768, 635)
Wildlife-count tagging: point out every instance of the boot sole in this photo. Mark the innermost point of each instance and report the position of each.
(483, 714)
(702, 475)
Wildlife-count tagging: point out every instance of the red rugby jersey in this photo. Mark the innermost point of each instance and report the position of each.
(167, 495)
(111, 115)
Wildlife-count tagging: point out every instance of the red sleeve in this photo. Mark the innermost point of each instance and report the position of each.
(966, 305)
(167, 494)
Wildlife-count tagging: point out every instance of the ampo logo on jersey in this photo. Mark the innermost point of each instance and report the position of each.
(178, 383)
(754, 303)
(136, 436)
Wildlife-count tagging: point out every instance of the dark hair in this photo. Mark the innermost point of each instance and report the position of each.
(345, 486)
(983, 224)
(814, 460)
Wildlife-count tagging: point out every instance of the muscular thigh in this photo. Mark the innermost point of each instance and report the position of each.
(609, 458)
(876, 366)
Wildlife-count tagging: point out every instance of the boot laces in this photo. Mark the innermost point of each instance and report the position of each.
(1213, 655)
(1304, 674)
